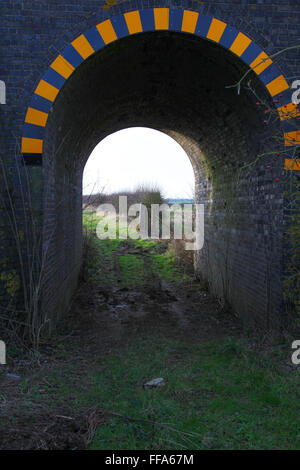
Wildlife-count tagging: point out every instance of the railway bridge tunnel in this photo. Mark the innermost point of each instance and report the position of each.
(169, 68)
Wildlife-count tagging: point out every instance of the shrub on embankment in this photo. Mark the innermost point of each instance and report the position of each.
(144, 194)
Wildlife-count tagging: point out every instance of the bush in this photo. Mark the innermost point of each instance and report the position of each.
(144, 194)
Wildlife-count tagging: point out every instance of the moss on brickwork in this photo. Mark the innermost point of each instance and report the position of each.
(11, 282)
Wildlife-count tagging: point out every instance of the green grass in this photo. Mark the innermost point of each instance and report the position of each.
(133, 272)
(166, 266)
(90, 220)
(218, 395)
(221, 397)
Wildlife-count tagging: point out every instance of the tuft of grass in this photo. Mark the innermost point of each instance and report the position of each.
(213, 398)
(133, 272)
(166, 265)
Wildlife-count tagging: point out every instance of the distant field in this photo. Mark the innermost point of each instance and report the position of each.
(180, 201)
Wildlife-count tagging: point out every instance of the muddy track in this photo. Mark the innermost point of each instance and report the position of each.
(109, 311)
(119, 313)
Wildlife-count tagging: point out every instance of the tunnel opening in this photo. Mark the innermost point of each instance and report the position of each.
(138, 219)
(178, 84)
(139, 157)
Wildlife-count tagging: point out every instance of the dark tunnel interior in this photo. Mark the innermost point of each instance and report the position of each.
(176, 83)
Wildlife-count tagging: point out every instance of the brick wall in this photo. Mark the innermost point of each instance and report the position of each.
(137, 82)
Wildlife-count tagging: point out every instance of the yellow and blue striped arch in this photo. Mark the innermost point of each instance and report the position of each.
(152, 19)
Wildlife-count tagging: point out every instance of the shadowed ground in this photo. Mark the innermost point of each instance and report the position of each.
(137, 316)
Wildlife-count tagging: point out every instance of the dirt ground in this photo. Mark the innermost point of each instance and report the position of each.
(100, 321)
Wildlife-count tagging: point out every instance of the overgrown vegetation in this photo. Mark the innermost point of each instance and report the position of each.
(87, 391)
(217, 396)
(22, 319)
(143, 194)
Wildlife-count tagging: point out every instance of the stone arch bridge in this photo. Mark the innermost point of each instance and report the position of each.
(76, 71)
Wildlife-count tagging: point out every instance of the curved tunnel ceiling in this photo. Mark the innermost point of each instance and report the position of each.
(167, 81)
(172, 81)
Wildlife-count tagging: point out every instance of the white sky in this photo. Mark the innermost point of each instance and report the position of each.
(130, 157)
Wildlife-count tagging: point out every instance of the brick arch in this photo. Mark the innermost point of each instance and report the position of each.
(152, 19)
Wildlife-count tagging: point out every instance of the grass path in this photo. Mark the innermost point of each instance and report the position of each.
(137, 316)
